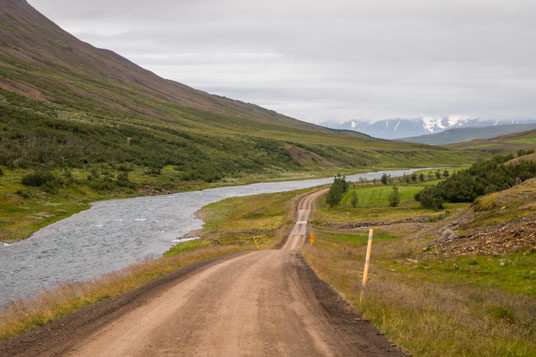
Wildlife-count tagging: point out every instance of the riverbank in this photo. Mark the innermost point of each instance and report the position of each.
(25, 209)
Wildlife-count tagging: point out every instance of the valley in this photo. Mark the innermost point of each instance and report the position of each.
(141, 216)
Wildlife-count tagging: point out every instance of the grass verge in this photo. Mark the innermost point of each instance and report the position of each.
(266, 218)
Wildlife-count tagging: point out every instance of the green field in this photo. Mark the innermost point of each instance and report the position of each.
(374, 207)
(379, 195)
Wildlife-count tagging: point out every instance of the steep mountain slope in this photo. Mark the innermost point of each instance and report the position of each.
(459, 135)
(66, 103)
(60, 68)
(409, 128)
(500, 145)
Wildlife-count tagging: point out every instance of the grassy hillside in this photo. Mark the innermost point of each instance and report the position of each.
(459, 135)
(505, 144)
(79, 104)
(87, 124)
(467, 295)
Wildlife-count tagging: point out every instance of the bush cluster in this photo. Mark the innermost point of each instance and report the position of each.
(336, 191)
(481, 178)
(44, 179)
(39, 139)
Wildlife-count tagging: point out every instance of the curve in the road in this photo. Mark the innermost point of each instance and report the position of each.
(266, 302)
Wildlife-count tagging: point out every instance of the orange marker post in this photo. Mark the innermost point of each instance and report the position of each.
(367, 261)
(312, 239)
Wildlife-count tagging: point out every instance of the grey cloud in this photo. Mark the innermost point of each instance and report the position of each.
(320, 60)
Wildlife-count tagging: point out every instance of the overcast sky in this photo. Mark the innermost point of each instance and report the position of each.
(320, 60)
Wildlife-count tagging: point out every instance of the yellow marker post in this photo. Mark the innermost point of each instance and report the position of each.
(312, 239)
(255, 241)
(367, 261)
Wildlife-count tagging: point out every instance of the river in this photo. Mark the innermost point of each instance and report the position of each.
(116, 233)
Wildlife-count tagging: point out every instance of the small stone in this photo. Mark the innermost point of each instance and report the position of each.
(502, 262)
(448, 235)
(496, 254)
(455, 266)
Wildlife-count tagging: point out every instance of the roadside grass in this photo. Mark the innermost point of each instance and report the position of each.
(478, 305)
(429, 308)
(517, 275)
(187, 247)
(237, 220)
(24, 315)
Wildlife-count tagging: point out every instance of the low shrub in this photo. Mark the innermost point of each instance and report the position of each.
(39, 178)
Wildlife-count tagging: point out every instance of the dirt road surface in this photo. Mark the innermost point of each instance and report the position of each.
(266, 302)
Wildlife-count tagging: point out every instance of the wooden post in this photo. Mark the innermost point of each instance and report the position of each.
(367, 261)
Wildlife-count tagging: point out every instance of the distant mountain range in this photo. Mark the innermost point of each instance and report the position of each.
(458, 135)
(408, 128)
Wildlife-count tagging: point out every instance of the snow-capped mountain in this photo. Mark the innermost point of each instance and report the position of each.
(403, 128)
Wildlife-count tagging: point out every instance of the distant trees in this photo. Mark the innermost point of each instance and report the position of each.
(481, 178)
(414, 177)
(421, 177)
(394, 197)
(336, 191)
(523, 152)
(384, 179)
(446, 173)
(438, 174)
